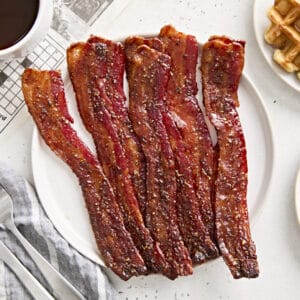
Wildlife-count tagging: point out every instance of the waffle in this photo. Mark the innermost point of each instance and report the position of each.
(284, 34)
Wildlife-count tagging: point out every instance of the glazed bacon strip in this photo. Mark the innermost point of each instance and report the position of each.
(148, 72)
(222, 64)
(193, 231)
(185, 110)
(91, 70)
(195, 235)
(110, 70)
(45, 98)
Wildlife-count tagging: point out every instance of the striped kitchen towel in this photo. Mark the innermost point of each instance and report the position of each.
(32, 222)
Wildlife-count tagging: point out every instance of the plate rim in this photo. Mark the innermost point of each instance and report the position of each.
(271, 144)
(97, 258)
(47, 209)
(261, 44)
(297, 195)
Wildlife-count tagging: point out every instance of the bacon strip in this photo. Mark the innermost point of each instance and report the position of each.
(195, 235)
(93, 68)
(185, 110)
(45, 98)
(116, 104)
(222, 64)
(193, 231)
(148, 73)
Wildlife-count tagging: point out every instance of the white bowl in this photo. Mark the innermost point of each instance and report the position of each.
(38, 30)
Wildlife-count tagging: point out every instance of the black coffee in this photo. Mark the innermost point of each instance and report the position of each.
(16, 19)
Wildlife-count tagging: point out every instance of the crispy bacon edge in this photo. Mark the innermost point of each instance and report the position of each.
(222, 65)
(44, 95)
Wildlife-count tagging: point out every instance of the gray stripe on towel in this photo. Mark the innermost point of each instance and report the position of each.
(85, 275)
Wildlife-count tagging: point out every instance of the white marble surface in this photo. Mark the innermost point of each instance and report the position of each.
(276, 232)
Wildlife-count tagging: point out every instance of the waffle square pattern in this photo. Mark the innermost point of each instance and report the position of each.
(284, 34)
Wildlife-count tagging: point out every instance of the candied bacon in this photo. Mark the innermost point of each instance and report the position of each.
(195, 235)
(111, 67)
(185, 110)
(222, 64)
(92, 73)
(148, 72)
(193, 231)
(134, 41)
(44, 95)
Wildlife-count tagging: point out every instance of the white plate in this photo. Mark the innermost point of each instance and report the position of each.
(61, 196)
(261, 23)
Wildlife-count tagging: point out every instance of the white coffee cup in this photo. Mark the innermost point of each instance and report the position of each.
(37, 32)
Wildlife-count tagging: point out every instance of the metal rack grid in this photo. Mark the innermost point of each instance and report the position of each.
(47, 55)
